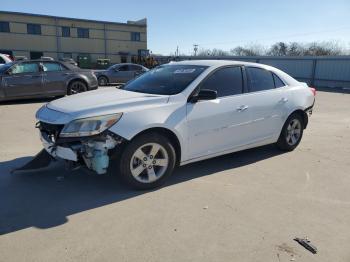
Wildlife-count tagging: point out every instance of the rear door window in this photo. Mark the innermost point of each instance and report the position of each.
(135, 68)
(259, 79)
(51, 67)
(25, 68)
(226, 81)
(123, 68)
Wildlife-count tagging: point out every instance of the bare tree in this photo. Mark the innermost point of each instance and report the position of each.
(323, 49)
(295, 49)
(332, 48)
(278, 49)
(249, 50)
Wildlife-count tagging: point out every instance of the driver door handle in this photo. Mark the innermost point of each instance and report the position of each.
(242, 108)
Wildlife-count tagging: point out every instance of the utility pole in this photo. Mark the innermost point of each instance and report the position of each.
(177, 51)
(195, 49)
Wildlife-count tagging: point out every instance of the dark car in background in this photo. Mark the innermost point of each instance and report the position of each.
(43, 78)
(119, 73)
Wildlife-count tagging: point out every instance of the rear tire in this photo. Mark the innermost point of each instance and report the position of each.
(103, 81)
(147, 161)
(76, 87)
(291, 133)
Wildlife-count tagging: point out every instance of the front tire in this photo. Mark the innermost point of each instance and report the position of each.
(102, 81)
(291, 133)
(76, 87)
(147, 161)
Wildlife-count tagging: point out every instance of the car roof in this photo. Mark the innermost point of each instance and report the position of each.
(66, 64)
(215, 63)
(121, 64)
(35, 60)
(218, 63)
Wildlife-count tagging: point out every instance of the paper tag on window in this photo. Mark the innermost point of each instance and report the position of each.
(184, 71)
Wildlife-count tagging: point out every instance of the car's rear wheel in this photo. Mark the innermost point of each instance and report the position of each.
(102, 81)
(291, 134)
(76, 87)
(147, 161)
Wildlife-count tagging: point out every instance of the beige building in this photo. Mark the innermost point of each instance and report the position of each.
(33, 36)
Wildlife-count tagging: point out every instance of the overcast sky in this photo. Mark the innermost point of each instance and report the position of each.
(220, 24)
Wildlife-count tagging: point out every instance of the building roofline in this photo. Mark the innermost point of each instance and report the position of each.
(129, 23)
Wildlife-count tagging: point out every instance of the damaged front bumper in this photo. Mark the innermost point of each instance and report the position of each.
(93, 152)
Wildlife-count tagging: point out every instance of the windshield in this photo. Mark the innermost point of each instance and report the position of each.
(165, 80)
(4, 67)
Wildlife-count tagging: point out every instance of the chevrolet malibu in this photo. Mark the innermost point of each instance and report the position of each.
(176, 114)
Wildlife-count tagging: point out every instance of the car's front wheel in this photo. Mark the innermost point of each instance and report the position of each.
(291, 134)
(102, 81)
(147, 161)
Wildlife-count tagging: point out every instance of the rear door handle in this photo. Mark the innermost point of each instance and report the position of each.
(242, 108)
(284, 100)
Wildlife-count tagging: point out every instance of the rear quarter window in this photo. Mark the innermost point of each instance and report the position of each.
(278, 81)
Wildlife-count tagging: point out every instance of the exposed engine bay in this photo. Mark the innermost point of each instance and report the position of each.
(93, 152)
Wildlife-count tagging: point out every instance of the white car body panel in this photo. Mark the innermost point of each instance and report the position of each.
(5, 58)
(204, 129)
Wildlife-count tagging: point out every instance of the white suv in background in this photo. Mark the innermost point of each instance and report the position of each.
(176, 114)
(4, 59)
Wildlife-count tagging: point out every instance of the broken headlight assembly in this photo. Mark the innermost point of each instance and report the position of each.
(89, 126)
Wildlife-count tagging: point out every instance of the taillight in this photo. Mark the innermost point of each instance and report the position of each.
(313, 90)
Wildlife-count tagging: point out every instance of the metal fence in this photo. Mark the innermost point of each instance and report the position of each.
(322, 71)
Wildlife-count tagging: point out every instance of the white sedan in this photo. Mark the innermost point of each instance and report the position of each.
(5, 59)
(176, 114)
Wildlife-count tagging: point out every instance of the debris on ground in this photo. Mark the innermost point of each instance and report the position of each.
(305, 242)
(206, 207)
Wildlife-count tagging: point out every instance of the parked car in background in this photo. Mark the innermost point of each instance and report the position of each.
(43, 78)
(69, 61)
(47, 58)
(176, 114)
(4, 59)
(119, 73)
(20, 58)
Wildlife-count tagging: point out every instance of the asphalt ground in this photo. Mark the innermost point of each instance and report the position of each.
(245, 206)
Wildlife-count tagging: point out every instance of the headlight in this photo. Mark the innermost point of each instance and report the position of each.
(89, 126)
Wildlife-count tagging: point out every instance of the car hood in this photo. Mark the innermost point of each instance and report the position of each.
(99, 102)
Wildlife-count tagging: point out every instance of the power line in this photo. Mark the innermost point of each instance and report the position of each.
(277, 37)
(272, 38)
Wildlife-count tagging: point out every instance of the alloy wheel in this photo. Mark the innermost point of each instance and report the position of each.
(102, 81)
(77, 87)
(149, 163)
(293, 132)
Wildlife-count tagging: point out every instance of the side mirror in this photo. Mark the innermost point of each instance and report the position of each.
(8, 72)
(204, 94)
